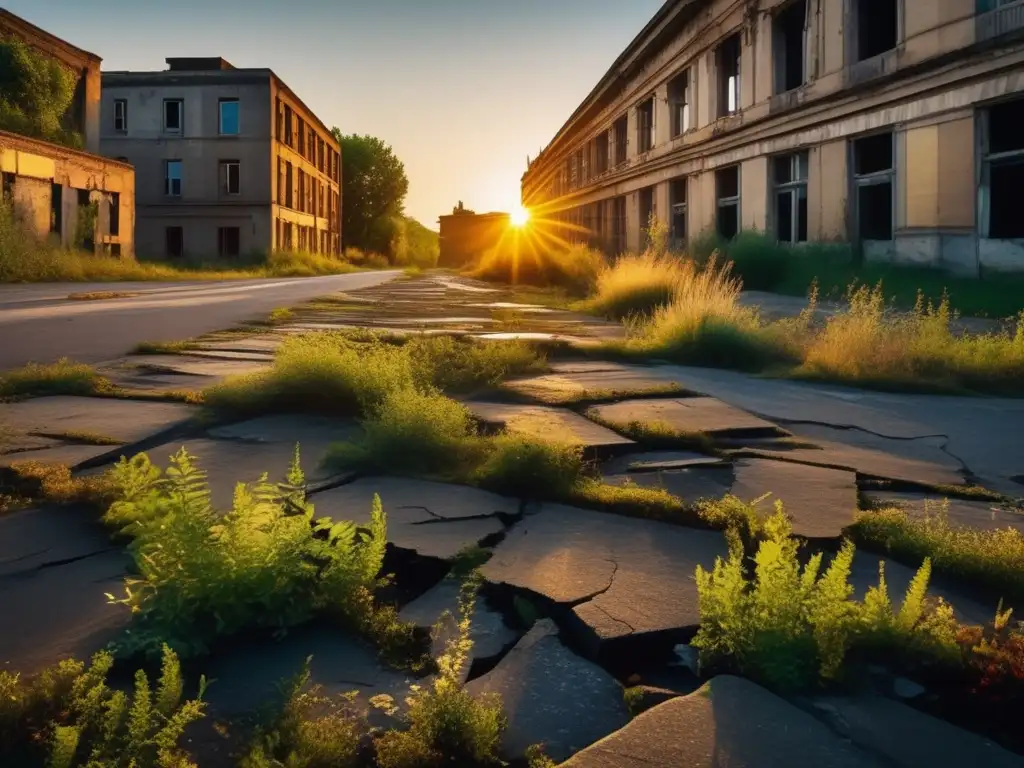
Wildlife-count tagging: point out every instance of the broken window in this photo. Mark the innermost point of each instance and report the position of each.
(877, 27)
(727, 194)
(56, 208)
(121, 115)
(790, 177)
(677, 200)
(621, 129)
(229, 118)
(874, 172)
(172, 178)
(1003, 170)
(679, 102)
(229, 241)
(645, 125)
(289, 196)
(602, 149)
(289, 128)
(8, 189)
(789, 41)
(174, 242)
(173, 109)
(230, 177)
(728, 56)
(646, 214)
(114, 203)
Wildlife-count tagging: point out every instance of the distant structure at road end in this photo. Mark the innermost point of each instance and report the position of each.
(466, 235)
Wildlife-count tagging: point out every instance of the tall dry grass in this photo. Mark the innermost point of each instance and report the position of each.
(518, 260)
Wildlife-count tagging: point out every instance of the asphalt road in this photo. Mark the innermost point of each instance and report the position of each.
(39, 323)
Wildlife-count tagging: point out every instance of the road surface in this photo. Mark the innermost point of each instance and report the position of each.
(39, 323)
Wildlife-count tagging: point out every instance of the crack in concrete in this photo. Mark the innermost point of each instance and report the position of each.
(57, 563)
(26, 556)
(598, 593)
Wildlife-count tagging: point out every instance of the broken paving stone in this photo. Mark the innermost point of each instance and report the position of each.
(248, 674)
(289, 428)
(620, 381)
(623, 576)
(685, 415)
(551, 696)
(61, 453)
(127, 420)
(979, 515)
(433, 519)
(920, 460)
(32, 538)
(729, 722)
(230, 354)
(228, 462)
(488, 631)
(545, 423)
(264, 342)
(199, 366)
(881, 726)
(653, 461)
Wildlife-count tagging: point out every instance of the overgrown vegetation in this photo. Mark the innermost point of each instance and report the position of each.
(23, 481)
(36, 92)
(990, 559)
(63, 377)
(68, 717)
(268, 563)
(521, 260)
(350, 373)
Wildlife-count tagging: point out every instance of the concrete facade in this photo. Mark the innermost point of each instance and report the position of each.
(75, 199)
(84, 113)
(229, 161)
(465, 236)
(892, 124)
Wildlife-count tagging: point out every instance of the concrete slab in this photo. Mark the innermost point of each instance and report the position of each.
(729, 722)
(126, 420)
(63, 453)
(980, 515)
(433, 519)
(199, 366)
(623, 381)
(552, 697)
(546, 423)
(264, 342)
(623, 576)
(653, 461)
(688, 415)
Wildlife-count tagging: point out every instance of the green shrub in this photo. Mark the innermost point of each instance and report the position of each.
(526, 467)
(464, 365)
(267, 563)
(760, 261)
(989, 559)
(67, 716)
(447, 726)
(64, 377)
(791, 627)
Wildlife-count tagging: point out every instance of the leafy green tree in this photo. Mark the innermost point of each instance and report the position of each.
(35, 93)
(373, 190)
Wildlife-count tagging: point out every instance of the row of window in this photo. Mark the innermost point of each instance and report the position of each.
(873, 166)
(173, 116)
(311, 195)
(229, 175)
(877, 31)
(294, 132)
(290, 236)
(229, 240)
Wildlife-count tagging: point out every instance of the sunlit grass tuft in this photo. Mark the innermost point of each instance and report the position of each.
(638, 284)
(64, 377)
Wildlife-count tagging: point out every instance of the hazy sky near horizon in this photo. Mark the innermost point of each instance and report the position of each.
(463, 90)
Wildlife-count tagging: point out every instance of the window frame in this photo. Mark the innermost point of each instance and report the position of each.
(181, 241)
(986, 161)
(648, 103)
(224, 171)
(220, 116)
(734, 201)
(680, 120)
(679, 209)
(725, 89)
(121, 105)
(874, 178)
(168, 179)
(793, 187)
(180, 130)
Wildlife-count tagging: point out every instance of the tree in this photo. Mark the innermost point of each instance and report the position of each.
(35, 93)
(373, 189)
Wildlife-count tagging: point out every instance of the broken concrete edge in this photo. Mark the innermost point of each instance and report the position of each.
(591, 397)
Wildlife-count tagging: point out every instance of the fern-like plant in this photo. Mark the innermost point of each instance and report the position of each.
(67, 717)
(791, 626)
(266, 563)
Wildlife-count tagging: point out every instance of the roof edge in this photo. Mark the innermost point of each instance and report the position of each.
(28, 26)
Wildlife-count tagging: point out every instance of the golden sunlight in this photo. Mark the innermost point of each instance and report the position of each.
(519, 216)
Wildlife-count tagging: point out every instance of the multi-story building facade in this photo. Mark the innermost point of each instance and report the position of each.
(228, 161)
(74, 198)
(895, 125)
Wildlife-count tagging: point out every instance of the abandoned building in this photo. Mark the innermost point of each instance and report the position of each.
(465, 235)
(228, 161)
(894, 125)
(73, 198)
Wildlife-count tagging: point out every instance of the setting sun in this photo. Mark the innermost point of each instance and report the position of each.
(519, 216)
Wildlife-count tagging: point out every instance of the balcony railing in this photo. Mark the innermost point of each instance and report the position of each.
(1007, 16)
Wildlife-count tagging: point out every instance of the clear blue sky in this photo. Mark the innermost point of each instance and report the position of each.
(463, 90)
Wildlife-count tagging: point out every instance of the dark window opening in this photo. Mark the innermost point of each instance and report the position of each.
(229, 241)
(172, 115)
(790, 178)
(727, 192)
(114, 204)
(645, 125)
(621, 129)
(874, 176)
(172, 178)
(679, 102)
(230, 180)
(1003, 170)
(174, 242)
(85, 234)
(619, 224)
(120, 115)
(877, 27)
(729, 76)
(8, 190)
(288, 126)
(229, 117)
(115, 250)
(56, 208)
(602, 152)
(646, 214)
(677, 201)
(288, 186)
(789, 31)
(1006, 127)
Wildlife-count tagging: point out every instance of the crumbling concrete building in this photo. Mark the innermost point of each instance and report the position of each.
(891, 124)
